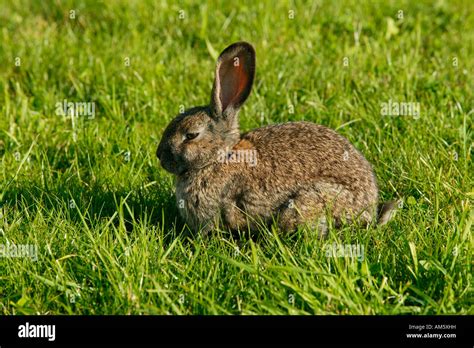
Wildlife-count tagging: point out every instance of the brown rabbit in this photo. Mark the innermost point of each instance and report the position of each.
(296, 173)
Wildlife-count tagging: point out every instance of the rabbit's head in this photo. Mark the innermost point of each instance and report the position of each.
(193, 139)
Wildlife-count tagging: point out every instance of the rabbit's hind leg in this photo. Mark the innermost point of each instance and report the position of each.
(305, 208)
(313, 206)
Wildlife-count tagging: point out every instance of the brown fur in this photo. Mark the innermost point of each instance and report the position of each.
(301, 172)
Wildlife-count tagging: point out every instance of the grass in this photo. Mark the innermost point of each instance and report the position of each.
(90, 194)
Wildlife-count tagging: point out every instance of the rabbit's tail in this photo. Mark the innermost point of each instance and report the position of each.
(386, 211)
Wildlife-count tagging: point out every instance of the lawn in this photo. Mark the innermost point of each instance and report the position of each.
(87, 195)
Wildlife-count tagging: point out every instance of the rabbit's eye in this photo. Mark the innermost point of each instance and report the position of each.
(191, 136)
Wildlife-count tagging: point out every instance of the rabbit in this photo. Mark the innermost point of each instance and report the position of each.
(293, 174)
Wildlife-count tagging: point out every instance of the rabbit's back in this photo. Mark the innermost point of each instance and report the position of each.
(305, 152)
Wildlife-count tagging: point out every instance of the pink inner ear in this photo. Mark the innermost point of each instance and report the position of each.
(233, 81)
(242, 79)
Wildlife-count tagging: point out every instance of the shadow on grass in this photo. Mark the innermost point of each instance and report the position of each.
(152, 206)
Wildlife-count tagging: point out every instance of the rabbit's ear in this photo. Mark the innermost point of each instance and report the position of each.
(235, 71)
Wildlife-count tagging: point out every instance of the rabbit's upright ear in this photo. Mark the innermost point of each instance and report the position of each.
(235, 71)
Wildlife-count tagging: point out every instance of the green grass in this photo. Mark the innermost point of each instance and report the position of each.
(109, 236)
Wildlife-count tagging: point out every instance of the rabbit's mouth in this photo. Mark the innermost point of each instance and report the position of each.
(178, 165)
(173, 167)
